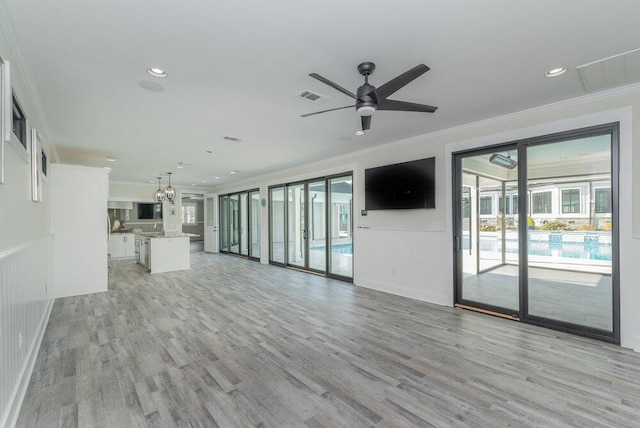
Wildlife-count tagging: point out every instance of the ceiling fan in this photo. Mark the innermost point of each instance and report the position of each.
(369, 98)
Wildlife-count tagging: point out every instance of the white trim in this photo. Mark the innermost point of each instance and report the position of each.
(8, 252)
(20, 390)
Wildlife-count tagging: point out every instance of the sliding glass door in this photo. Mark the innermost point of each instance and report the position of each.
(340, 226)
(277, 225)
(317, 219)
(296, 222)
(536, 231)
(239, 223)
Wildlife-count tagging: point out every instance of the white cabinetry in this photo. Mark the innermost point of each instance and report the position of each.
(122, 245)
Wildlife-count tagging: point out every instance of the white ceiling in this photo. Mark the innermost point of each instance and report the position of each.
(235, 68)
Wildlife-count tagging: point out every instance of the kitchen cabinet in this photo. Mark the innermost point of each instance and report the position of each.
(122, 245)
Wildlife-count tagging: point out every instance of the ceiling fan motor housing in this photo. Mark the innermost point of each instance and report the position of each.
(367, 100)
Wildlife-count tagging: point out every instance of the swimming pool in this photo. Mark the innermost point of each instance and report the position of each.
(572, 250)
(338, 248)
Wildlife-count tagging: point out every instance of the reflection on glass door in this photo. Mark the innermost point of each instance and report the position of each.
(296, 222)
(210, 228)
(488, 236)
(254, 224)
(341, 225)
(277, 225)
(244, 223)
(569, 239)
(224, 223)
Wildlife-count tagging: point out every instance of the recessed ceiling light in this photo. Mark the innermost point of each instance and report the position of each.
(233, 172)
(192, 184)
(359, 132)
(180, 165)
(204, 181)
(157, 72)
(556, 72)
(217, 178)
(209, 151)
(151, 181)
(111, 159)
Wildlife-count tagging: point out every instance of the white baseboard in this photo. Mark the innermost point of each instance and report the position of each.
(27, 369)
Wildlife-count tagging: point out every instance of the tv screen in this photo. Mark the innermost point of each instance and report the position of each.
(149, 211)
(401, 186)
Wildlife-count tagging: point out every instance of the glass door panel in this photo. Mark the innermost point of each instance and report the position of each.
(224, 223)
(296, 231)
(488, 267)
(277, 225)
(569, 238)
(317, 236)
(341, 226)
(254, 224)
(210, 227)
(234, 224)
(244, 224)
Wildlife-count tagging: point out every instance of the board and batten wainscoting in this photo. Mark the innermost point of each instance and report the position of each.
(404, 262)
(26, 299)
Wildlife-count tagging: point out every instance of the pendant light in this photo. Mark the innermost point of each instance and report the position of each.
(158, 195)
(169, 191)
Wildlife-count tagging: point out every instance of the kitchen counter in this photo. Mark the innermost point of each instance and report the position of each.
(160, 252)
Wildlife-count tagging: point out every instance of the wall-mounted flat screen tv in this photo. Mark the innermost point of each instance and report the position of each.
(401, 186)
(149, 211)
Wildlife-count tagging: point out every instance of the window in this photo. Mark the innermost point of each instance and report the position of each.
(541, 203)
(571, 201)
(19, 123)
(43, 163)
(486, 203)
(189, 213)
(514, 200)
(603, 201)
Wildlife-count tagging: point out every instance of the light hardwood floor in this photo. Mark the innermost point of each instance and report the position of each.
(234, 343)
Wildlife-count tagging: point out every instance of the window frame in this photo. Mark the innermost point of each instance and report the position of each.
(549, 194)
(571, 203)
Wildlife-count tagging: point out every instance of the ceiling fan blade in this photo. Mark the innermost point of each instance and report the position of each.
(405, 78)
(333, 85)
(366, 122)
(393, 105)
(324, 111)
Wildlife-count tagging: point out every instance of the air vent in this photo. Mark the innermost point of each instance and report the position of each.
(312, 96)
(617, 70)
(233, 139)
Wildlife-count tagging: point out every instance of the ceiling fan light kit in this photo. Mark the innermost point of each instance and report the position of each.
(369, 98)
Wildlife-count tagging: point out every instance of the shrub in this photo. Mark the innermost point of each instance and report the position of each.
(487, 227)
(586, 227)
(555, 225)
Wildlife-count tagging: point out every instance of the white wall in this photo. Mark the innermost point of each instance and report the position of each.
(26, 291)
(410, 253)
(80, 241)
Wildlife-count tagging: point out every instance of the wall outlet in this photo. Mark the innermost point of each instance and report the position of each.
(20, 340)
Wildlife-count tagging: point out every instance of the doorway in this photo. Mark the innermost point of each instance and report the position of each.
(535, 225)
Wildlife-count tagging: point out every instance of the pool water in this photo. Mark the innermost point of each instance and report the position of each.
(338, 248)
(589, 251)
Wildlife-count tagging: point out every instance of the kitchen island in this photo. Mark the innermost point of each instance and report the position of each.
(160, 252)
